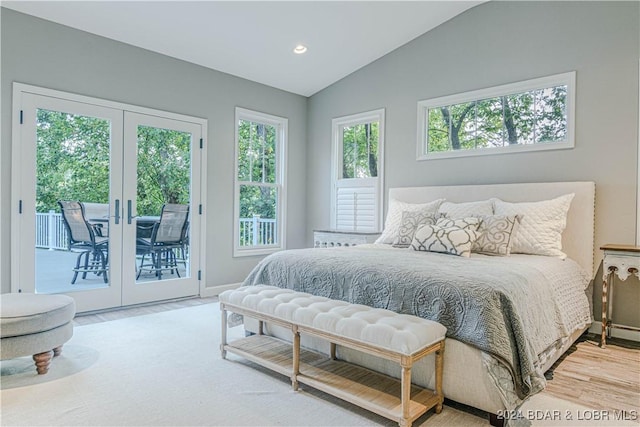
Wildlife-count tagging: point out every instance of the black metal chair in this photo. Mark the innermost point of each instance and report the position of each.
(82, 237)
(167, 235)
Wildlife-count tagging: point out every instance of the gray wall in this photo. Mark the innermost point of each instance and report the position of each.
(493, 44)
(45, 54)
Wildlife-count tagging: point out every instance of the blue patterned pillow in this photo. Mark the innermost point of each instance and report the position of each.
(450, 240)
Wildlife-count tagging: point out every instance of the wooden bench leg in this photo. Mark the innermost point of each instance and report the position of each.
(42, 361)
(405, 393)
(439, 369)
(296, 358)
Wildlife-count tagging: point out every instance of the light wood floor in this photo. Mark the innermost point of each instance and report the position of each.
(599, 378)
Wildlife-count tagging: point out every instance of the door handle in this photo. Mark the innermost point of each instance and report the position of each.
(117, 213)
(130, 215)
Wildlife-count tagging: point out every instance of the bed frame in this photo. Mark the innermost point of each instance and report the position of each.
(466, 379)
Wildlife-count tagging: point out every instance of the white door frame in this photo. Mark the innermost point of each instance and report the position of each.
(24, 281)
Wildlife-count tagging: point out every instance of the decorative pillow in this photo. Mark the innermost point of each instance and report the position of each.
(496, 234)
(449, 240)
(469, 222)
(410, 223)
(394, 216)
(462, 210)
(541, 227)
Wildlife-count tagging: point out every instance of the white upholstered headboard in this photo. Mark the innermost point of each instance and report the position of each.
(577, 238)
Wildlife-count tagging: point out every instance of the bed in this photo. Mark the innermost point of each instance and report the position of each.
(509, 318)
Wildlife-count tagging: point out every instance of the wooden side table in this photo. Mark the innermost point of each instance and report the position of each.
(623, 261)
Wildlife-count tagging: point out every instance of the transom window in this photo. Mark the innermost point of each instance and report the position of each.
(358, 142)
(259, 183)
(531, 115)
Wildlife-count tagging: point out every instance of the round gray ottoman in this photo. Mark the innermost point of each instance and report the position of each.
(35, 324)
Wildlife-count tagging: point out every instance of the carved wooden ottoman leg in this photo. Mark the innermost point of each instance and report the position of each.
(57, 351)
(42, 362)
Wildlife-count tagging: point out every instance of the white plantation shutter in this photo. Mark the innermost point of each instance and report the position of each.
(356, 195)
(356, 205)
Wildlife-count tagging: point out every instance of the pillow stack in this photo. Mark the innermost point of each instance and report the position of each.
(490, 227)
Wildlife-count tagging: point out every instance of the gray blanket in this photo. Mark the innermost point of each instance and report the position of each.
(496, 304)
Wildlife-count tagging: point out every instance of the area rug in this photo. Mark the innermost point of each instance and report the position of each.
(165, 369)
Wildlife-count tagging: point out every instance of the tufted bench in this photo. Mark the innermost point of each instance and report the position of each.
(400, 338)
(35, 325)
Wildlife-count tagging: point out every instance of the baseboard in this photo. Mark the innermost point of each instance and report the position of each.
(217, 290)
(596, 328)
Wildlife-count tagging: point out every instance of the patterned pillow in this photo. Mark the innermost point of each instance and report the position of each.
(461, 210)
(449, 240)
(469, 222)
(541, 227)
(410, 223)
(394, 217)
(496, 234)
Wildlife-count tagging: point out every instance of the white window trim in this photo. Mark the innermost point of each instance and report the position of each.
(282, 126)
(336, 156)
(568, 79)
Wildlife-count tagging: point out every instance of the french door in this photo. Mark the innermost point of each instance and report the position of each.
(128, 171)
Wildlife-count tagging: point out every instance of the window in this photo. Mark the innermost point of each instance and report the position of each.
(532, 115)
(357, 181)
(261, 144)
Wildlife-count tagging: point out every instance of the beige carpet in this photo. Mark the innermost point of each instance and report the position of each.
(164, 369)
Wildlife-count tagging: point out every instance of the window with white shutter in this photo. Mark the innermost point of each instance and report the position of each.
(357, 181)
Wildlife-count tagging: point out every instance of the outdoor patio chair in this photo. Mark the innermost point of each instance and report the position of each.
(167, 236)
(93, 256)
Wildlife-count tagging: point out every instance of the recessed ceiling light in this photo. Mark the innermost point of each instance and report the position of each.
(300, 49)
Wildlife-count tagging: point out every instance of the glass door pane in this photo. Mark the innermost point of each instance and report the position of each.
(72, 167)
(163, 204)
(65, 239)
(160, 240)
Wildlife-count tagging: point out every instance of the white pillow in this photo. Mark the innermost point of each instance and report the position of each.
(394, 217)
(467, 209)
(541, 226)
(448, 240)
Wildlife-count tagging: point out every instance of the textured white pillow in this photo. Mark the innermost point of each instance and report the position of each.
(541, 226)
(462, 210)
(394, 217)
(449, 240)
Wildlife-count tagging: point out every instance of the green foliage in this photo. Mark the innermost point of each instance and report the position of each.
(525, 118)
(73, 155)
(164, 168)
(360, 150)
(72, 158)
(257, 160)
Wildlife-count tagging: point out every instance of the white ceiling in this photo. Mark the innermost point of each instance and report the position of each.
(255, 39)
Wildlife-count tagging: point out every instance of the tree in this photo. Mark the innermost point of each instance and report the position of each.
(523, 118)
(73, 163)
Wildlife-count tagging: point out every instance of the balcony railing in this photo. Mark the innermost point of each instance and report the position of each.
(52, 234)
(50, 231)
(258, 231)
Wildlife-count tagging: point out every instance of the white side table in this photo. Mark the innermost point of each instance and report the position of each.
(332, 238)
(623, 261)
